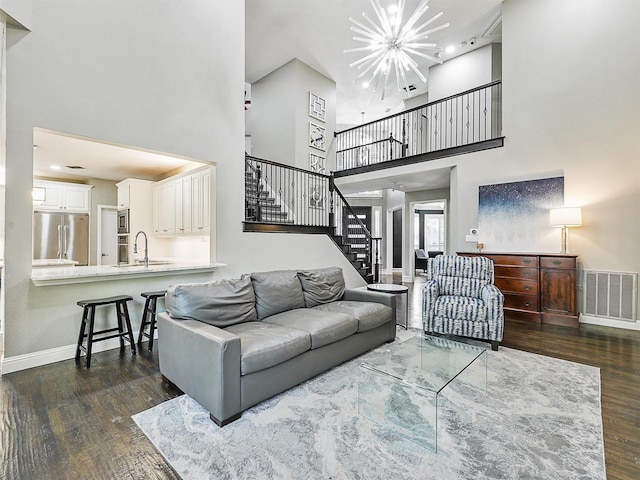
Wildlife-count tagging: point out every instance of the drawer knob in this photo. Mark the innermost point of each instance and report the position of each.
(527, 287)
(556, 262)
(527, 304)
(527, 274)
(527, 261)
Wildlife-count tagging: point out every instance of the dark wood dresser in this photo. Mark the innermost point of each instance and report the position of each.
(539, 287)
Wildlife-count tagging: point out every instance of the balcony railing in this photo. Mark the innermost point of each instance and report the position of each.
(467, 118)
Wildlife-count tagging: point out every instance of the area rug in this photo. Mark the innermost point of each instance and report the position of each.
(538, 418)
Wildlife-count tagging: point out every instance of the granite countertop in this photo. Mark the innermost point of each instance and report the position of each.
(72, 274)
(53, 262)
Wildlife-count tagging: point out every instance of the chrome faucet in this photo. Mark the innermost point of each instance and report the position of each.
(145, 260)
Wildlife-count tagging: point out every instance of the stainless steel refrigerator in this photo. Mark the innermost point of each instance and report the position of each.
(61, 235)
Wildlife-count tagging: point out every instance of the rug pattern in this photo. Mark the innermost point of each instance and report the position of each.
(539, 418)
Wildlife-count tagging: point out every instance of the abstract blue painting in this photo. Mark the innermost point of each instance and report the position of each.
(514, 217)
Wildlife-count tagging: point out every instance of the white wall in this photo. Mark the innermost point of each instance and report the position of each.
(19, 11)
(279, 115)
(570, 106)
(159, 75)
(461, 73)
(117, 72)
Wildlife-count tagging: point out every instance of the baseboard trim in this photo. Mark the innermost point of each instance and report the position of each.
(609, 322)
(53, 355)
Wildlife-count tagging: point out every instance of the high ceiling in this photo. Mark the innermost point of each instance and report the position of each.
(318, 31)
(277, 31)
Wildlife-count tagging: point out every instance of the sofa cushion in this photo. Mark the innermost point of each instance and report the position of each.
(324, 327)
(263, 345)
(276, 292)
(221, 303)
(322, 285)
(369, 314)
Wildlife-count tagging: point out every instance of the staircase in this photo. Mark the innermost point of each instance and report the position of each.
(277, 199)
(259, 206)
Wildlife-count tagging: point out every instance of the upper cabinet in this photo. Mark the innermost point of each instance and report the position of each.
(71, 197)
(182, 204)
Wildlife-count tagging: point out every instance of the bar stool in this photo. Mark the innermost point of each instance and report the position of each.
(88, 316)
(149, 315)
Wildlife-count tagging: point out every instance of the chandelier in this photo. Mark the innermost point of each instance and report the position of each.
(391, 46)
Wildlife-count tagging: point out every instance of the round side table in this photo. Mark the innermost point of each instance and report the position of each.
(395, 289)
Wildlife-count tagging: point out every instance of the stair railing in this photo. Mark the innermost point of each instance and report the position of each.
(350, 228)
(284, 195)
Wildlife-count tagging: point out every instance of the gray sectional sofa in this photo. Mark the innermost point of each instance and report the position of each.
(231, 344)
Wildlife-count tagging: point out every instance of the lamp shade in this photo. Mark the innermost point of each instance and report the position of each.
(565, 217)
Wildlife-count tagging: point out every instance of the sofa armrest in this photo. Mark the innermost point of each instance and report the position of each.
(203, 361)
(364, 295)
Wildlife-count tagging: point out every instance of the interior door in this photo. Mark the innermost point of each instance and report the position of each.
(108, 254)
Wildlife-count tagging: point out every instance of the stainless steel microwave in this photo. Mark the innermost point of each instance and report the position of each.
(123, 221)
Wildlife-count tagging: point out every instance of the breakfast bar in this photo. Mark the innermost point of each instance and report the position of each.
(71, 274)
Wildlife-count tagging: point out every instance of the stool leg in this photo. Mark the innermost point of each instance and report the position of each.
(152, 328)
(144, 319)
(92, 316)
(83, 324)
(129, 330)
(121, 331)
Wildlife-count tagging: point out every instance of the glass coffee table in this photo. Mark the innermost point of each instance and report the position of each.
(400, 387)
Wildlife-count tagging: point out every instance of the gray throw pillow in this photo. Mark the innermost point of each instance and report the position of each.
(222, 303)
(276, 292)
(324, 285)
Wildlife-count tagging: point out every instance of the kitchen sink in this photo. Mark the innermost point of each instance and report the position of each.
(141, 264)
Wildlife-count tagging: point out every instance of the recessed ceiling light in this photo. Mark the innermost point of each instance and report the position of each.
(450, 49)
(365, 85)
(55, 167)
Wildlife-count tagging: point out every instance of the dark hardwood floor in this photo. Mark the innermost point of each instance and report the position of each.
(62, 421)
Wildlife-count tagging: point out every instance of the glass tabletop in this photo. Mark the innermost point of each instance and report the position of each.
(401, 387)
(427, 362)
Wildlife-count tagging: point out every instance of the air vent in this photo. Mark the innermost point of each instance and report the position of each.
(610, 294)
(75, 167)
(410, 88)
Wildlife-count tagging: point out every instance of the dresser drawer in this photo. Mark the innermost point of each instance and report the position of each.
(521, 302)
(557, 262)
(515, 260)
(517, 285)
(516, 272)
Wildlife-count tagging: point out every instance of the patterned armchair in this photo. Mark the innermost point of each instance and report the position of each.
(460, 298)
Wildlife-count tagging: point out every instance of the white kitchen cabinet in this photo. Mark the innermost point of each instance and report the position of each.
(201, 184)
(167, 208)
(71, 197)
(124, 194)
(182, 204)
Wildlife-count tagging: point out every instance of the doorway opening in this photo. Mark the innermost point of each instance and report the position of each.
(429, 228)
(107, 248)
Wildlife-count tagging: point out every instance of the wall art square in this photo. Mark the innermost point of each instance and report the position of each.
(317, 163)
(317, 107)
(317, 136)
(514, 217)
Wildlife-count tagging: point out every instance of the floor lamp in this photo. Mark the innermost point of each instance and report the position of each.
(565, 217)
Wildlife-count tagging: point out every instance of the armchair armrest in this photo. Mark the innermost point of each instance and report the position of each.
(430, 293)
(494, 300)
(204, 362)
